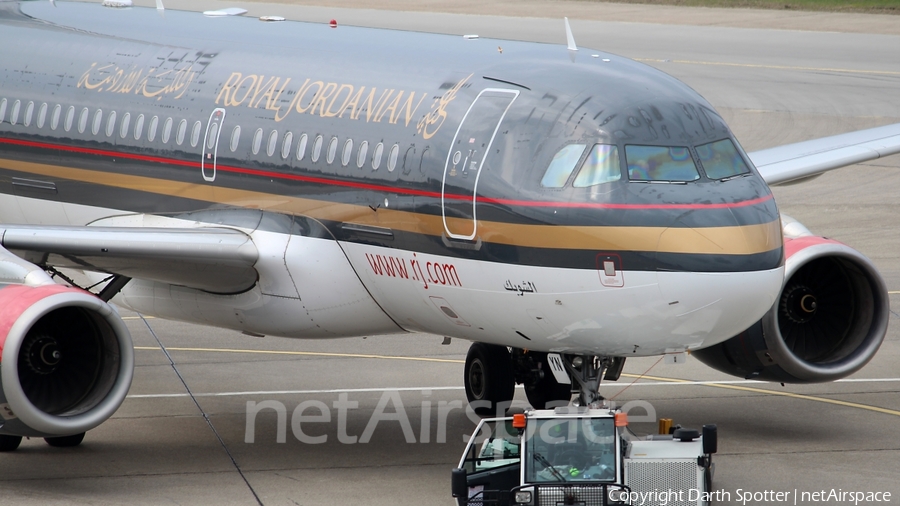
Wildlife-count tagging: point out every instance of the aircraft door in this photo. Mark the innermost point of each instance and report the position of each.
(470, 148)
(211, 144)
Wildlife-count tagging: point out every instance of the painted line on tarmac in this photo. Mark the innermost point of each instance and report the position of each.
(293, 392)
(659, 381)
(720, 384)
(773, 67)
(308, 354)
(665, 382)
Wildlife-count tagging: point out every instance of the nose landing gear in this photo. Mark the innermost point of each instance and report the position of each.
(588, 370)
(492, 371)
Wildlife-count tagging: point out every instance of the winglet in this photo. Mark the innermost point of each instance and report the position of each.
(570, 39)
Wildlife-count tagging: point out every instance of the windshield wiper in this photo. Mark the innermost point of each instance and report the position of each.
(736, 176)
(540, 458)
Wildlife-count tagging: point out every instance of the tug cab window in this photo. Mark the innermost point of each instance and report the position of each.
(601, 166)
(562, 165)
(721, 159)
(571, 450)
(500, 449)
(660, 163)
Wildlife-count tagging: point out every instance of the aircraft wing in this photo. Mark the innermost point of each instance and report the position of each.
(218, 260)
(795, 162)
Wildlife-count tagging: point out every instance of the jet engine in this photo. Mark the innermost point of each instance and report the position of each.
(66, 360)
(827, 323)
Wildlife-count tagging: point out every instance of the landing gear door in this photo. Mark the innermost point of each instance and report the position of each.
(211, 144)
(470, 148)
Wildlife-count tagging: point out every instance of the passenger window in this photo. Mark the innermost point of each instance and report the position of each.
(83, 119)
(257, 141)
(286, 145)
(2, 109)
(361, 156)
(348, 151)
(42, 115)
(392, 157)
(179, 135)
(332, 150)
(601, 166)
(126, 122)
(14, 114)
(70, 117)
(54, 118)
(408, 160)
(111, 124)
(376, 156)
(316, 149)
(139, 127)
(195, 134)
(167, 131)
(98, 120)
(721, 159)
(29, 113)
(562, 165)
(273, 141)
(301, 147)
(235, 138)
(660, 163)
(151, 130)
(212, 135)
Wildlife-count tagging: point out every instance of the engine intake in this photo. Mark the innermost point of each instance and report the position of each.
(828, 322)
(66, 361)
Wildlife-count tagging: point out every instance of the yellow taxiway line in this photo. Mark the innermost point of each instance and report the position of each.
(764, 391)
(307, 354)
(775, 392)
(773, 67)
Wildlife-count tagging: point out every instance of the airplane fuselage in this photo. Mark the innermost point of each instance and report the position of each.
(440, 186)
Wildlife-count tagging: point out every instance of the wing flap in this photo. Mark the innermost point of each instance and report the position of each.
(792, 162)
(218, 260)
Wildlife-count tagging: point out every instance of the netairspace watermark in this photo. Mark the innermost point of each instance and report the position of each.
(748, 497)
(307, 417)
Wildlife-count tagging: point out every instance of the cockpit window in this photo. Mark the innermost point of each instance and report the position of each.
(601, 166)
(721, 159)
(660, 163)
(562, 165)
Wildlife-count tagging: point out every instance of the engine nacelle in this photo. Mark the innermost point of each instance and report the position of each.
(828, 322)
(66, 361)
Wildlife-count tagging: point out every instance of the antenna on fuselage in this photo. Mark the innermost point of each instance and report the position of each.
(160, 6)
(570, 39)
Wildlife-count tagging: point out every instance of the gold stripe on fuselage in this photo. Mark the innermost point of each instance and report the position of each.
(728, 240)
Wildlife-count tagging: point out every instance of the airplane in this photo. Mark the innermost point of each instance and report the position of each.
(562, 209)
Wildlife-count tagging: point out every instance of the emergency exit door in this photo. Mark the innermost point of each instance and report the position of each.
(466, 158)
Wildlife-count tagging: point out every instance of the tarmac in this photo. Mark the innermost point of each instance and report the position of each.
(183, 436)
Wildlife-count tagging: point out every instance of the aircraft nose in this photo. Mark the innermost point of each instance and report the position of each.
(723, 238)
(732, 272)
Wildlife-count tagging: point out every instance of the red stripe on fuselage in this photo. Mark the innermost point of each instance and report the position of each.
(382, 188)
